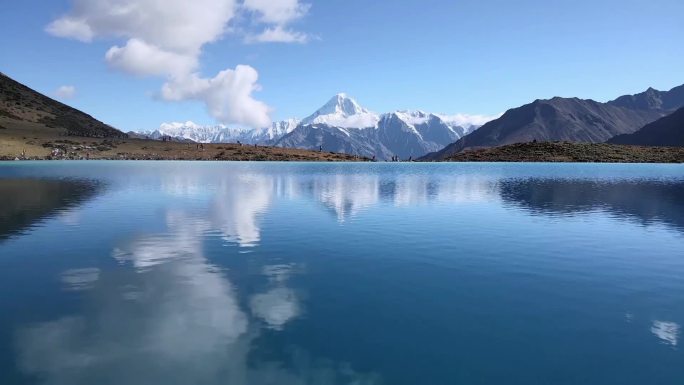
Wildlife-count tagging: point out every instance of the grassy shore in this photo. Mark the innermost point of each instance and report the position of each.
(35, 143)
(572, 152)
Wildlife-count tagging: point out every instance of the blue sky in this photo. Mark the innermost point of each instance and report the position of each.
(475, 57)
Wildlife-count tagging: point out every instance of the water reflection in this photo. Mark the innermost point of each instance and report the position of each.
(345, 195)
(175, 318)
(177, 300)
(647, 201)
(25, 202)
(667, 332)
(238, 204)
(80, 279)
(279, 304)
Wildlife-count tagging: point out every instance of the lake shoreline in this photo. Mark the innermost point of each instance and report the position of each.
(37, 145)
(22, 144)
(569, 152)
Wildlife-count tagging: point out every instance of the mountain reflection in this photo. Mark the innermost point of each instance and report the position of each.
(345, 195)
(242, 274)
(647, 201)
(25, 202)
(173, 318)
(237, 205)
(238, 202)
(348, 195)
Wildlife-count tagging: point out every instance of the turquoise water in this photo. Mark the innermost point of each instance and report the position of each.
(266, 273)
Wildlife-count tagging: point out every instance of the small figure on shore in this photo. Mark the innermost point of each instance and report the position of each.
(239, 143)
(373, 158)
(410, 159)
(256, 145)
(320, 148)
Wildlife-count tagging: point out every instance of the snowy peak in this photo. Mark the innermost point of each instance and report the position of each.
(277, 130)
(188, 131)
(413, 118)
(342, 104)
(343, 111)
(222, 134)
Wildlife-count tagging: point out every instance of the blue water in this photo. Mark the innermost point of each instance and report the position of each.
(267, 273)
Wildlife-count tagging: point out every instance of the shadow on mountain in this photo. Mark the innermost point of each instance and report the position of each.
(648, 202)
(25, 202)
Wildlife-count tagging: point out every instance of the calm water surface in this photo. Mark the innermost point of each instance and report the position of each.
(417, 274)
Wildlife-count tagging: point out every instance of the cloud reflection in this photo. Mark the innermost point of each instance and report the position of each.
(80, 279)
(174, 319)
(237, 206)
(667, 332)
(280, 304)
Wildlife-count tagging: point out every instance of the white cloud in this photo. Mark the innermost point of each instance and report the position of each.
(278, 14)
(71, 28)
(228, 96)
(165, 38)
(277, 11)
(66, 92)
(465, 120)
(278, 34)
(140, 58)
(172, 25)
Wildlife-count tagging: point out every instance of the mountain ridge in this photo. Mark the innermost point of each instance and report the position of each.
(665, 132)
(568, 119)
(348, 127)
(404, 134)
(21, 106)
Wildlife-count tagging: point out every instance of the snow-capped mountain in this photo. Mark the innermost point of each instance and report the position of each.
(342, 125)
(343, 111)
(222, 134)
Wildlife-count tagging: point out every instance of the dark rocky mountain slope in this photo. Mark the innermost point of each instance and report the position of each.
(666, 132)
(23, 108)
(569, 119)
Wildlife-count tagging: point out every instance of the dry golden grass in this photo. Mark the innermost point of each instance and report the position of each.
(26, 140)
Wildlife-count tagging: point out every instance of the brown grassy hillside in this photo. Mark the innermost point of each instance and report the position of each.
(22, 107)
